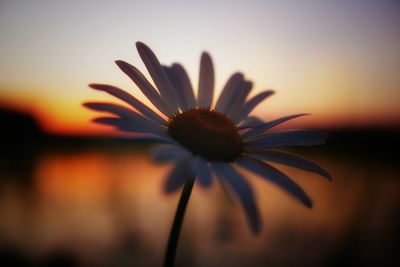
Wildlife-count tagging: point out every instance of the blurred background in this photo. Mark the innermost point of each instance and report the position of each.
(76, 194)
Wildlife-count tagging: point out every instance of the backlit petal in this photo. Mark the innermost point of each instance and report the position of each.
(296, 137)
(178, 175)
(268, 125)
(188, 92)
(130, 99)
(290, 160)
(271, 174)
(169, 152)
(228, 94)
(239, 98)
(202, 171)
(138, 121)
(127, 125)
(206, 82)
(243, 190)
(251, 122)
(248, 107)
(159, 77)
(144, 85)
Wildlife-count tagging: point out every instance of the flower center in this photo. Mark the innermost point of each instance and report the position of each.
(207, 133)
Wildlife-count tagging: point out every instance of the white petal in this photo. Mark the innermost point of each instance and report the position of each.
(169, 152)
(181, 83)
(178, 175)
(270, 173)
(206, 82)
(130, 99)
(242, 190)
(251, 122)
(160, 79)
(188, 92)
(245, 110)
(144, 85)
(202, 171)
(302, 137)
(176, 84)
(229, 92)
(153, 139)
(128, 125)
(290, 160)
(268, 125)
(139, 122)
(238, 99)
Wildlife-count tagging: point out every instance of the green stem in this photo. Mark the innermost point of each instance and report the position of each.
(169, 259)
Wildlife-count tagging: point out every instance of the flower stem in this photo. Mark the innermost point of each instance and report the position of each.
(169, 259)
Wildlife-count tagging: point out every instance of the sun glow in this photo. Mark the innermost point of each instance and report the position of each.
(336, 61)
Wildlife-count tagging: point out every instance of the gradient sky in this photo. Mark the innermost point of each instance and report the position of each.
(338, 60)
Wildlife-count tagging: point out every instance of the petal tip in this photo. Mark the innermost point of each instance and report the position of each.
(308, 203)
(95, 86)
(170, 188)
(328, 176)
(122, 65)
(87, 104)
(206, 58)
(119, 62)
(143, 49)
(205, 55)
(238, 74)
(255, 228)
(140, 44)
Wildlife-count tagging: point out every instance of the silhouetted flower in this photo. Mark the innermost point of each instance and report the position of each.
(205, 139)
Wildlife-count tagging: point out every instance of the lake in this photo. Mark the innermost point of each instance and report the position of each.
(105, 207)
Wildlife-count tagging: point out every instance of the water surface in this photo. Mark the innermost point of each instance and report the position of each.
(96, 207)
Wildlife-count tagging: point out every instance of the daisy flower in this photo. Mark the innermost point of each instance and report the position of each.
(207, 140)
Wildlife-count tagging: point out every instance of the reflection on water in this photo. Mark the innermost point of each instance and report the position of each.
(96, 208)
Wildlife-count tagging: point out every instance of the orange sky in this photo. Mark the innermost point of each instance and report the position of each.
(338, 60)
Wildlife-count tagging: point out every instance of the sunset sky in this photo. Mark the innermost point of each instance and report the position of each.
(338, 60)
